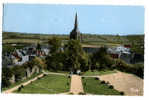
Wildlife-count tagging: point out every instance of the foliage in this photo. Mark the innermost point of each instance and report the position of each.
(39, 62)
(71, 58)
(38, 46)
(55, 44)
(55, 61)
(6, 75)
(137, 43)
(75, 56)
(19, 72)
(101, 60)
(137, 69)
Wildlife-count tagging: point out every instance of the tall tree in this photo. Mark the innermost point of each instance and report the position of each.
(55, 45)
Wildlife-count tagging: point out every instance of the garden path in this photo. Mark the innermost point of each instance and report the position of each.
(130, 84)
(76, 84)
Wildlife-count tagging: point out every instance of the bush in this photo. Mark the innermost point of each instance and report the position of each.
(67, 83)
(22, 86)
(96, 78)
(19, 89)
(122, 93)
(137, 69)
(84, 83)
(44, 75)
(111, 87)
(71, 93)
(102, 82)
(69, 76)
(81, 93)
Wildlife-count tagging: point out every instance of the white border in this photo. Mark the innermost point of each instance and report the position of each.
(144, 3)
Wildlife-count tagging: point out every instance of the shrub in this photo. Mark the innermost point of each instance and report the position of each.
(44, 75)
(84, 83)
(96, 78)
(69, 76)
(122, 93)
(71, 93)
(19, 89)
(111, 87)
(22, 86)
(67, 83)
(102, 82)
(137, 69)
(83, 77)
(82, 93)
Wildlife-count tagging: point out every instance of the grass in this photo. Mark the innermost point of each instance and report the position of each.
(62, 72)
(95, 87)
(95, 72)
(50, 84)
(17, 83)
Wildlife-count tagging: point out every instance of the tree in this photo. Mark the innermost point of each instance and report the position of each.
(55, 44)
(39, 62)
(75, 57)
(55, 61)
(38, 47)
(19, 72)
(6, 75)
(101, 60)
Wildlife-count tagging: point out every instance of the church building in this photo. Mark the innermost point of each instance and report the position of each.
(75, 33)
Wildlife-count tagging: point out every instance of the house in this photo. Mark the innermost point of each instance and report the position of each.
(120, 52)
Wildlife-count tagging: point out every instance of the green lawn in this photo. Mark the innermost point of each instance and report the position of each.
(49, 84)
(95, 72)
(18, 83)
(61, 72)
(95, 87)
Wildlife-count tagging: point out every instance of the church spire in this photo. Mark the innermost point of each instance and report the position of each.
(76, 22)
(75, 34)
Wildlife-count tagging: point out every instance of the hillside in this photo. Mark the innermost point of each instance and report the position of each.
(137, 41)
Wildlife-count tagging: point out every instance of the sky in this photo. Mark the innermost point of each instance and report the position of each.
(59, 19)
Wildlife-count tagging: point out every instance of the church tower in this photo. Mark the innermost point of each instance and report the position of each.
(75, 34)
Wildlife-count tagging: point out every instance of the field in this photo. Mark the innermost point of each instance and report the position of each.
(93, 86)
(50, 84)
(87, 39)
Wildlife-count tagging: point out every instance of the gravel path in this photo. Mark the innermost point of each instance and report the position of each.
(76, 84)
(130, 84)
